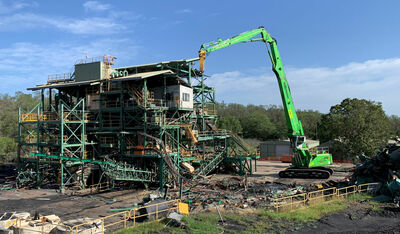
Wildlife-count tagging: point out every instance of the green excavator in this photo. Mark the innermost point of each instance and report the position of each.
(305, 164)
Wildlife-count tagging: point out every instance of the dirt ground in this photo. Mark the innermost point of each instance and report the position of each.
(50, 201)
(46, 202)
(360, 218)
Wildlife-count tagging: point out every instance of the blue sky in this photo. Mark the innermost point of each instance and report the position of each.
(331, 49)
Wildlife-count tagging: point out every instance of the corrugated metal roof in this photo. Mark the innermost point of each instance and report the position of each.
(63, 84)
(142, 75)
(159, 63)
(136, 76)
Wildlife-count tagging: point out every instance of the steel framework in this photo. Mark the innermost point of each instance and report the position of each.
(125, 124)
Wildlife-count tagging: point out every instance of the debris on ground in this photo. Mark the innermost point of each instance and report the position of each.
(46, 224)
(89, 227)
(26, 224)
(383, 168)
(111, 201)
(8, 175)
(175, 219)
(236, 192)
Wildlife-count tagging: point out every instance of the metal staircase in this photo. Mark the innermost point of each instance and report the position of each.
(209, 165)
(119, 172)
(238, 141)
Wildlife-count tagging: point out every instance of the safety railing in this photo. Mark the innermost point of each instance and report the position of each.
(55, 78)
(344, 192)
(29, 117)
(33, 117)
(369, 188)
(290, 202)
(323, 194)
(49, 116)
(90, 60)
(294, 201)
(123, 219)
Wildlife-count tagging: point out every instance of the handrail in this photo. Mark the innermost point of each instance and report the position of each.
(322, 194)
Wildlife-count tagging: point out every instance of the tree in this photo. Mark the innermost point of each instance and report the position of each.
(310, 120)
(9, 118)
(395, 125)
(257, 126)
(230, 123)
(7, 146)
(358, 125)
(277, 116)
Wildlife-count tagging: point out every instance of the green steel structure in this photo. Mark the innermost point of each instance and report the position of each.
(305, 164)
(152, 123)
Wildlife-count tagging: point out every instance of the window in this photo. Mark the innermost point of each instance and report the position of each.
(185, 97)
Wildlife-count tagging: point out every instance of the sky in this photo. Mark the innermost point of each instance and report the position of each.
(331, 50)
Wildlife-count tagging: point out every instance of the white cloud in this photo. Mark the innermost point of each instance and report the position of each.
(183, 11)
(316, 88)
(90, 26)
(25, 65)
(93, 25)
(96, 6)
(12, 6)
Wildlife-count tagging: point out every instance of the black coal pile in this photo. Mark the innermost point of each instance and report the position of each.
(383, 168)
(8, 174)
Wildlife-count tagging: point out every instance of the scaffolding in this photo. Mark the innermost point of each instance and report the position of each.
(130, 124)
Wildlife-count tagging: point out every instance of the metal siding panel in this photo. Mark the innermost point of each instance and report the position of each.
(282, 149)
(88, 71)
(263, 150)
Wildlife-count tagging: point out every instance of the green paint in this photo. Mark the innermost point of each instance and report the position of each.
(295, 133)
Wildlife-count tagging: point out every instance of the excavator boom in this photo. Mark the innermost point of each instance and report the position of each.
(304, 164)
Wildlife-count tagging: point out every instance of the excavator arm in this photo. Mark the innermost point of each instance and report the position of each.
(303, 157)
(294, 125)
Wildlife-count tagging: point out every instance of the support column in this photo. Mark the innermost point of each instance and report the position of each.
(62, 176)
(50, 100)
(145, 111)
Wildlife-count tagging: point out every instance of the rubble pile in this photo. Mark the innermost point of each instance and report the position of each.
(45, 224)
(8, 175)
(383, 168)
(236, 192)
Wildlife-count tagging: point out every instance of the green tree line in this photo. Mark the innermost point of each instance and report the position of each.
(264, 122)
(355, 125)
(9, 121)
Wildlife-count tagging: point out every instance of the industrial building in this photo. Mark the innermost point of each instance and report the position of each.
(149, 123)
(275, 150)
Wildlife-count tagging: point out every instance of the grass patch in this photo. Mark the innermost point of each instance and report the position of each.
(308, 213)
(203, 223)
(358, 197)
(240, 219)
(149, 227)
(374, 205)
(259, 221)
(261, 226)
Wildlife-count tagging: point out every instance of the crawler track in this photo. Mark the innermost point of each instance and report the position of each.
(306, 173)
